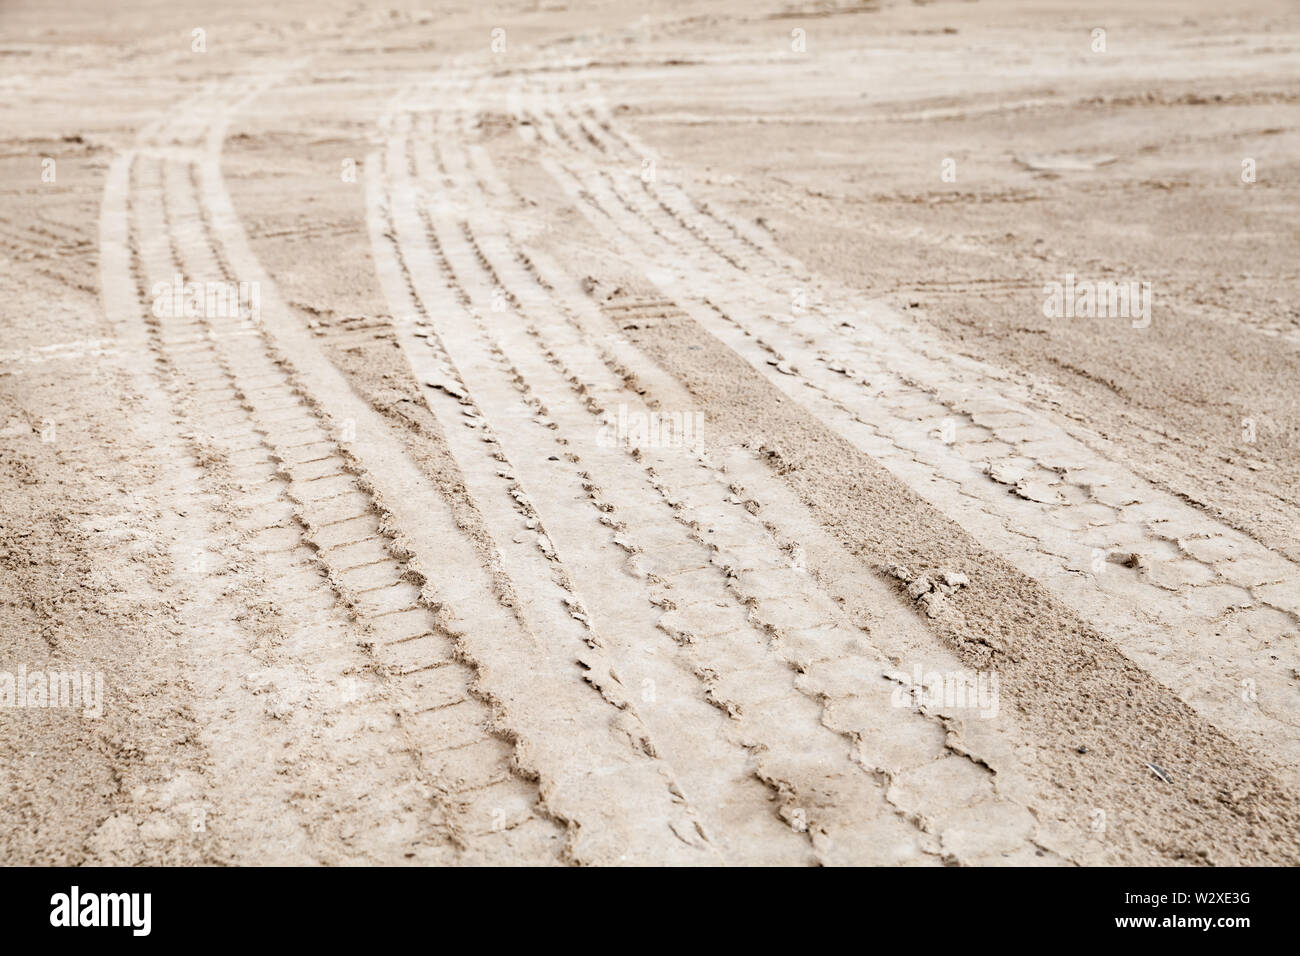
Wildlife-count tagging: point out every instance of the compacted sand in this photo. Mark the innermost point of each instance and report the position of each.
(639, 433)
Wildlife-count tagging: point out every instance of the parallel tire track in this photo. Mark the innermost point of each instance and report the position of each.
(307, 519)
(1112, 546)
(766, 597)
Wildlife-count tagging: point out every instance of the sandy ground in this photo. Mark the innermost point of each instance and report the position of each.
(403, 565)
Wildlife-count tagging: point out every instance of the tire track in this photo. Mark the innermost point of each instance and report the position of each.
(573, 509)
(218, 580)
(1047, 501)
(757, 606)
(445, 724)
(302, 511)
(645, 245)
(595, 746)
(577, 513)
